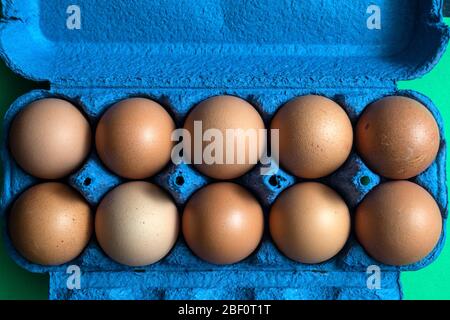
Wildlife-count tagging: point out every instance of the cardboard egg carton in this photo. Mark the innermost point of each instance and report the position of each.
(179, 53)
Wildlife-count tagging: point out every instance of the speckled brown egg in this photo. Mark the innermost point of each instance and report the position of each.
(223, 223)
(50, 224)
(133, 138)
(137, 224)
(50, 138)
(310, 223)
(397, 137)
(224, 113)
(398, 223)
(315, 136)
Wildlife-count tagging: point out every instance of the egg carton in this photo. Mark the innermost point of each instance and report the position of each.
(256, 52)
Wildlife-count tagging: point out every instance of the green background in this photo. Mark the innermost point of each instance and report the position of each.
(432, 282)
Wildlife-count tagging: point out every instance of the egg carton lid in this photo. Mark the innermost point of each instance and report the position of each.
(210, 43)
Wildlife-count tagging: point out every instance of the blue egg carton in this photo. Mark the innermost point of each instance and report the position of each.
(181, 52)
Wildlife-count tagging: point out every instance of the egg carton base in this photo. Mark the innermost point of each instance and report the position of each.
(216, 285)
(93, 180)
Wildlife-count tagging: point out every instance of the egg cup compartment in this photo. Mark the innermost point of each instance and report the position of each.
(267, 62)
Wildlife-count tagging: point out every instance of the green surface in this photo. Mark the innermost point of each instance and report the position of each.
(16, 283)
(432, 282)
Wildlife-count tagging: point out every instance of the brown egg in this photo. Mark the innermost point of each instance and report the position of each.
(316, 136)
(133, 138)
(50, 224)
(137, 224)
(398, 223)
(223, 223)
(222, 113)
(397, 137)
(50, 138)
(310, 223)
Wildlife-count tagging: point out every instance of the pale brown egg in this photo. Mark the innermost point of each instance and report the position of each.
(224, 113)
(398, 223)
(133, 138)
(397, 137)
(50, 138)
(50, 224)
(310, 223)
(137, 224)
(223, 223)
(316, 136)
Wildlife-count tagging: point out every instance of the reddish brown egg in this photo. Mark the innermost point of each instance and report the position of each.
(50, 138)
(223, 223)
(397, 137)
(133, 138)
(398, 223)
(222, 114)
(310, 223)
(50, 224)
(316, 136)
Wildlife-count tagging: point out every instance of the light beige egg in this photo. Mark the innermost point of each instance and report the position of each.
(137, 224)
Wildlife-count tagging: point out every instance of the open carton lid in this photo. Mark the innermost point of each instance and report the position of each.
(222, 43)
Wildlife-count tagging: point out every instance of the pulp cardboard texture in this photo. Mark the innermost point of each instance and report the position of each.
(180, 52)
